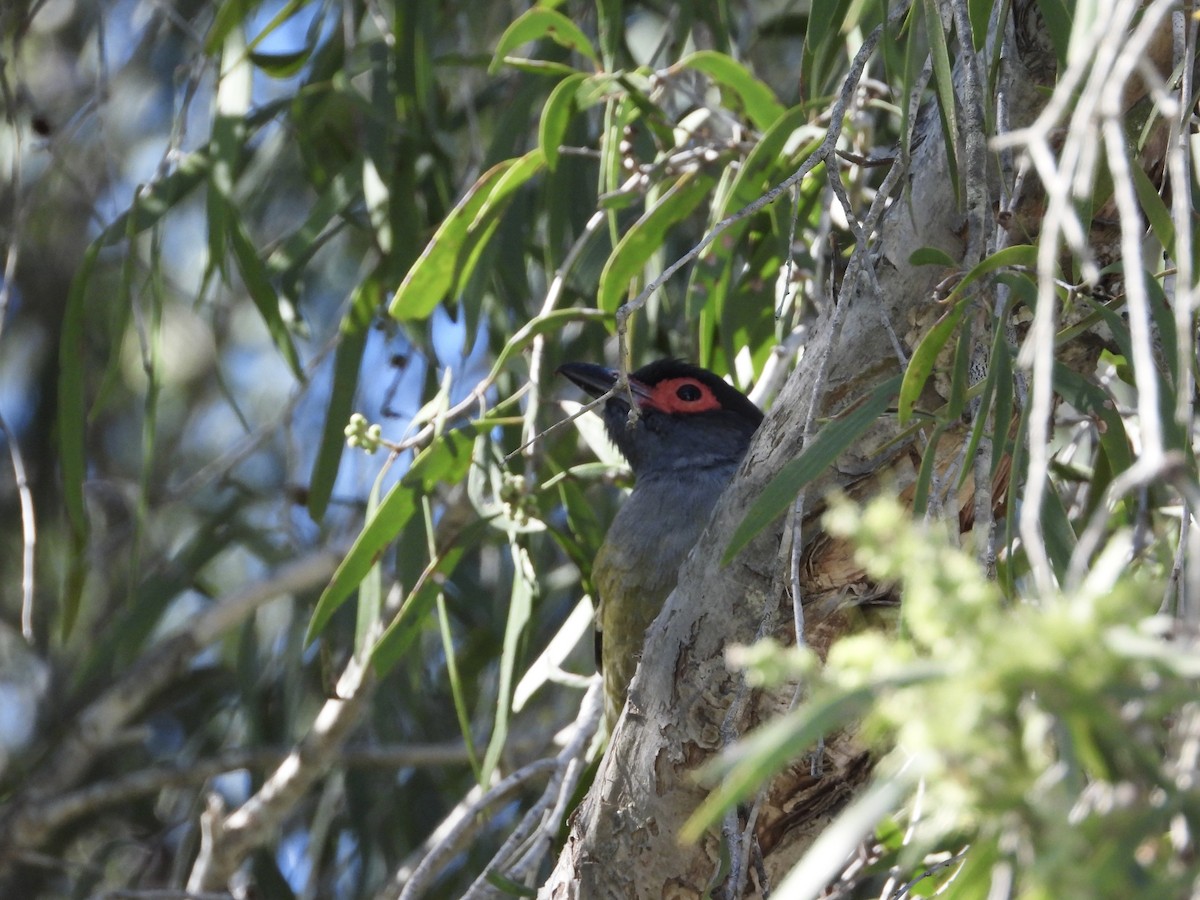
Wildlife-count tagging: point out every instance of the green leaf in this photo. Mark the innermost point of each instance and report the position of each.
(979, 12)
(831, 440)
(979, 426)
(925, 474)
(744, 769)
(537, 23)
(1164, 323)
(160, 199)
(258, 285)
(932, 256)
(507, 885)
(561, 107)
(1091, 399)
(520, 608)
(759, 101)
(457, 688)
(281, 65)
(925, 356)
(552, 321)
(920, 366)
(1057, 532)
(961, 374)
(229, 15)
(285, 12)
(943, 80)
(396, 639)
(1155, 209)
(446, 459)
(450, 257)
(370, 589)
(647, 236)
(1057, 21)
(394, 511)
(543, 67)
(228, 142)
(352, 341)
(72, 427)
(1010, 257)
(295, 250)
(821, 44)
(1001, 364)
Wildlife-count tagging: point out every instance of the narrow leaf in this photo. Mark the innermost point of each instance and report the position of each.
(925, 356)
(1057, 533)
(925, 474)
(943, 79)
(832, 439)
(519, 610)
(72, 425)
(352, 341)
(561, 106)
(759, 101)
(448, 260)
(297, 248)
(370, 589)
(541, 22)
(1058, 26)
(281, 65)
(961, 373)
(410, 620)
(931, 256)
(766, 751)
(979, 12)
(258, 285)
(1155, 209)
(920, 366)
(647, 236)
(394, 511)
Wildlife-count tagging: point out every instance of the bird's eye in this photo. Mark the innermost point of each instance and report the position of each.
(688, 393)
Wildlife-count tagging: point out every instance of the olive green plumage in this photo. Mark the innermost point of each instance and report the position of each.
(688, 440)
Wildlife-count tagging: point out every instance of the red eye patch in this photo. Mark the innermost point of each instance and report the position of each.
(682, 395)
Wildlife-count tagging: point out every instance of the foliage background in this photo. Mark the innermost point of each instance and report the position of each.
(228, 227)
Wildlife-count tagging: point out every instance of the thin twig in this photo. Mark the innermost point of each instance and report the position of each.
(531, 839)
(226, 840)
(460, 826)
(28, 528)
(540, 824)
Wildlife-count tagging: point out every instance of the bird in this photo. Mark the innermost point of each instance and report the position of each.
(689, 436)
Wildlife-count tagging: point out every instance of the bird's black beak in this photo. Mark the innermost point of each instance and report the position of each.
(598, 380)
(595, 380)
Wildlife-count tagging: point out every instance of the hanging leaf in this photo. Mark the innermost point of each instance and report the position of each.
(759, 101)
(537, 23)
(647, 236)
(449, 259)
(561, 107)
(352, 341)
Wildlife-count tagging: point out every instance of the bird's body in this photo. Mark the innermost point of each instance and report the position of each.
(685, 445)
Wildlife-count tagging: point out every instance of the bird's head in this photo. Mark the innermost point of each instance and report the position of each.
(688, 418)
